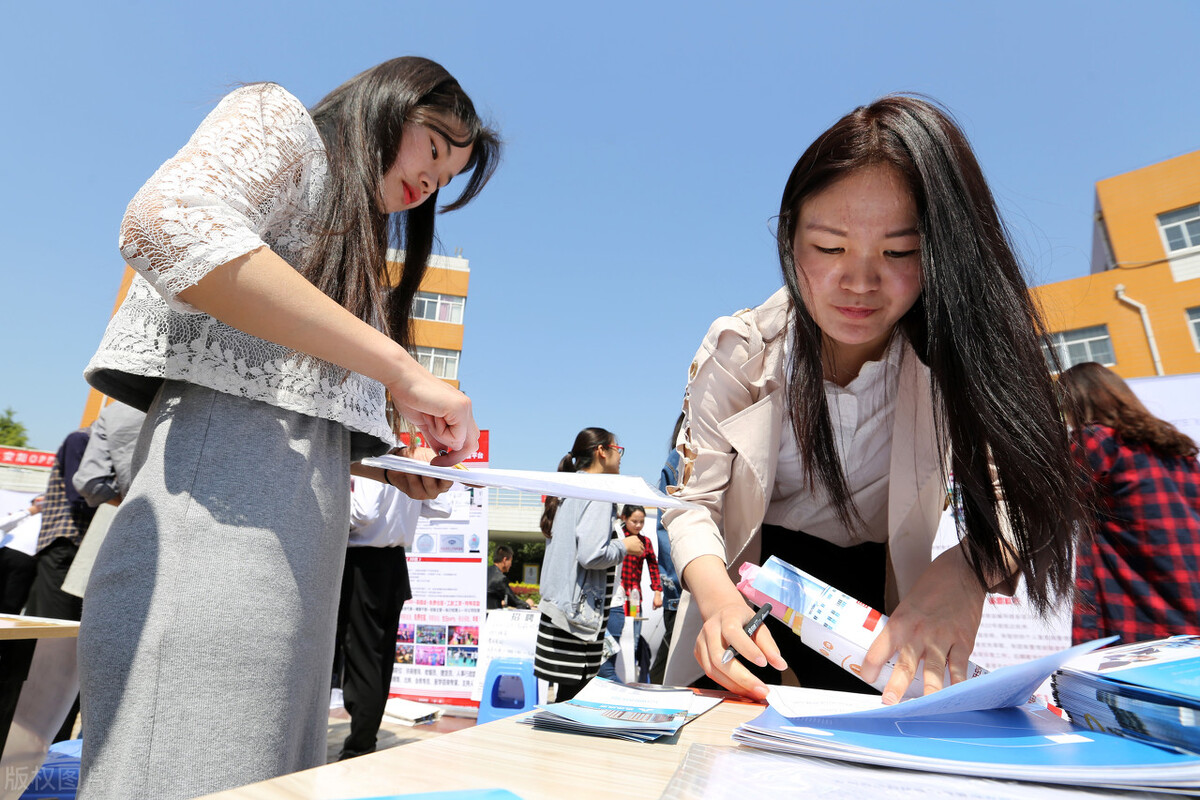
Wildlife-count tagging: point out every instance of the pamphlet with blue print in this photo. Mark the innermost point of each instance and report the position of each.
(980, 727)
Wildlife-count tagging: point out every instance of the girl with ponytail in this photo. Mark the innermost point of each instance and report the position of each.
(578, 571)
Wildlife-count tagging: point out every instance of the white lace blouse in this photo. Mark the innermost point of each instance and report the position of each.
(253, 174)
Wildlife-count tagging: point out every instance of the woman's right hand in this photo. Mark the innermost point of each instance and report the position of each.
(441, 413)
(725, 614)
(633, 546)
(726, 628)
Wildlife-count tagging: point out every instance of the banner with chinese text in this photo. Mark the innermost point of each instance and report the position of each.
(437, 645)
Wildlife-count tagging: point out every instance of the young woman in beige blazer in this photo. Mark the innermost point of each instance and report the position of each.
(905, 305)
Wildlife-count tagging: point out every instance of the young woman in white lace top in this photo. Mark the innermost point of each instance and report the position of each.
(263, 339)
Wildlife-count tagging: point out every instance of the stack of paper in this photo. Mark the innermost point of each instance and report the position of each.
(606, 708)
(405, 712)
(711, 772)
(975, 727)
(1146, 690)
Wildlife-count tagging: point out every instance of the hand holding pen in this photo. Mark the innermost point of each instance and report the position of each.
(750, 627)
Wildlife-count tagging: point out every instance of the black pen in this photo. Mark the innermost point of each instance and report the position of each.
(755, 622)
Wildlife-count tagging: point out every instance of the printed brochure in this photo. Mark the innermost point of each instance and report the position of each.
(607, 708)
(829, 621)
(977, 727)
(1144, 690)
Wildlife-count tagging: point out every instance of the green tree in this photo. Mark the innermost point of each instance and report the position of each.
(12, 433)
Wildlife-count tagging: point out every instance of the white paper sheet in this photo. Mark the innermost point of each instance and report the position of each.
(583, 485)
(1007, 686)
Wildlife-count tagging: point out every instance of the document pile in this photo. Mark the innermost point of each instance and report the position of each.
(1146, 690)
(405, 712)
(981, 727)
(829, 621)
(606, 708)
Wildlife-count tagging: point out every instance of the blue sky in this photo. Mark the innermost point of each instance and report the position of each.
(647, 147)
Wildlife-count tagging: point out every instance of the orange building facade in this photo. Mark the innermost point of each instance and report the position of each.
(437, 319)
(1138, 311)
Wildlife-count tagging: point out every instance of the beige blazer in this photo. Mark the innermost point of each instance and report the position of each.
(734, 414)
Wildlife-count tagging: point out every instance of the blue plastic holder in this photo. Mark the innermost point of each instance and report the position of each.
(508, 688)
(59, 775)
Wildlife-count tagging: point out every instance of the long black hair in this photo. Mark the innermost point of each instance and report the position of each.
(580, 457)
(361, 123)
(975, 327)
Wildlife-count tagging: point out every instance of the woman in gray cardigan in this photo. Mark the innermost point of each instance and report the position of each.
(582, 553)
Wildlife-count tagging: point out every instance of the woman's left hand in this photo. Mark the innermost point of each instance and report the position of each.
(936, 623)
(658, 600)
(417, 487)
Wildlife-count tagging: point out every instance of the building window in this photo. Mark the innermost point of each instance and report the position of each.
(438, 307)
(1181, 228)
(1193, 315)
(1080, 345)
(442, 363)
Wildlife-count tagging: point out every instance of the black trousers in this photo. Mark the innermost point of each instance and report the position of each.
(374, 588)
(860, 571)
(46, 597)
(16, 577)
(658, 668)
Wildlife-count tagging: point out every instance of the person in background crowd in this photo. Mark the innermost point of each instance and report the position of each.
(65, 519)
(17, 567)
(1137, 571)
(103, 480)
(579, 571)
(633, 519)
(269, 348)
(383, 521)
(822, 426)
(499, 593)
(666, 564)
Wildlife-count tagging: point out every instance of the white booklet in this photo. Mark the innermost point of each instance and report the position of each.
(582, 485)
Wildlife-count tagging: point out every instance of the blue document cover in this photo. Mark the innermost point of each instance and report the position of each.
(1169, 667)
(1022, 736)
(1145, 690)
(1022, 743)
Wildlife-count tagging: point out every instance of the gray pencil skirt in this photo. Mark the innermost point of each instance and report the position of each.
(207, 637)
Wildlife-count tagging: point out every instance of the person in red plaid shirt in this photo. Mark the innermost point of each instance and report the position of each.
(633, 519)
(1137, 575)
